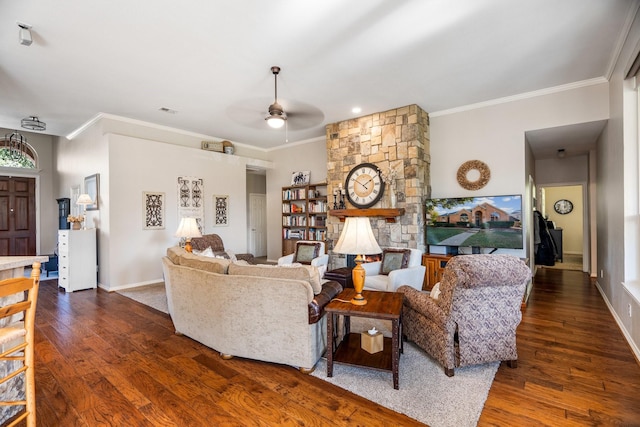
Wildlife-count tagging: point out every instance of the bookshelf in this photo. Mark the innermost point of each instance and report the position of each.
(304, 215)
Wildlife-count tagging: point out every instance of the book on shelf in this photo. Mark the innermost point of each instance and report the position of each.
(294, 194)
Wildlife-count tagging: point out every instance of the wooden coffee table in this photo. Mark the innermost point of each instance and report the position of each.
(380, 305)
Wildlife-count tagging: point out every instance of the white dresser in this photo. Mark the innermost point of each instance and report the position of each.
(77, 268)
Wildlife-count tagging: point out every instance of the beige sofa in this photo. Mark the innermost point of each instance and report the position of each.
(265, 313)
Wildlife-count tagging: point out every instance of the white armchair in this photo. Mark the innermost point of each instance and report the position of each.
(393, 259)
(308, 252)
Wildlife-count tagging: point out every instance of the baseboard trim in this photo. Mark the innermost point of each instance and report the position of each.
(625, 333)
(131, 285)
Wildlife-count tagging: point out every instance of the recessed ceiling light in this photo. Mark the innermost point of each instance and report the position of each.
(168, 110)
(356, 110)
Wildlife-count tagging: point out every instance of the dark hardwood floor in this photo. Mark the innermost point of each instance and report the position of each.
(103, 359)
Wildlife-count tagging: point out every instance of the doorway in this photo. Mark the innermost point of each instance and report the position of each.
(564, 207)
(258, 224)
(17, 216)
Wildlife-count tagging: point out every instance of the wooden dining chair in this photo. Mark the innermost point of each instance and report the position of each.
(17, 377)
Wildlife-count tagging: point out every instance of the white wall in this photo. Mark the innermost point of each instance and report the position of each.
(311, 156)
(135, 253)
(83, 156)
(618, 216)
(496, 135)
(128, 165)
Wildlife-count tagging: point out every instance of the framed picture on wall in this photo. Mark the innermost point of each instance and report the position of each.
(92, 188)
(300, 178)
(74, 193)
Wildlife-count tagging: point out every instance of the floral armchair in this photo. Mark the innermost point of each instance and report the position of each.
(475, 316)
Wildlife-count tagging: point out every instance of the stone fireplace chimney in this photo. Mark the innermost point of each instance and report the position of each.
(396, 139)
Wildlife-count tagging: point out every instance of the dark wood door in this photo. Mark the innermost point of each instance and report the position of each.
(17, 216)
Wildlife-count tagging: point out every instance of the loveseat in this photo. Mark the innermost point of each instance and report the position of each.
(269, 313)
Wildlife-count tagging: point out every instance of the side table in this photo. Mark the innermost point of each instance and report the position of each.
(380, 305)
(342, 276)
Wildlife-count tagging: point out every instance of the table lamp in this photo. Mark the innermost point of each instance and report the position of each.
(188, 228)
(84, 200)
(357, 239)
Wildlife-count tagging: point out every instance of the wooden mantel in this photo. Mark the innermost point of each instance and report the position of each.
(389, 214)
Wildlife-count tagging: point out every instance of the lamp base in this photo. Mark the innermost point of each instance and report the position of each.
(358, 300)
(357, 275)
(187, 246)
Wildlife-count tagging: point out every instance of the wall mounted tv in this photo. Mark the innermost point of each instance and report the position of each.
(477, 222)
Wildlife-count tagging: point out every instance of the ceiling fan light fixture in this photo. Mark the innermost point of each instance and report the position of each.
(32, 123)
(276, 122)
(277, 116)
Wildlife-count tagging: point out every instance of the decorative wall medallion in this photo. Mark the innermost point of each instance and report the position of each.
(153, 210)
(221, 206)
(483, 179)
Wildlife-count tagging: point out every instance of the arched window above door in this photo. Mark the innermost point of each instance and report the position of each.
(16, 152)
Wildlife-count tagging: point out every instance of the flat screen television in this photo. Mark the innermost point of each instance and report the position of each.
(476, 222)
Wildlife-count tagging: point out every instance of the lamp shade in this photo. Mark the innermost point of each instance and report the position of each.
(84, 199)
(188, 228)
(357, 238)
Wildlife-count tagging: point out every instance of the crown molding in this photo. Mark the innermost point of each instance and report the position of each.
(521, 96)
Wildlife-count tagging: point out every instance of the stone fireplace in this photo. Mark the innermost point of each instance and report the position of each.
(396, 139)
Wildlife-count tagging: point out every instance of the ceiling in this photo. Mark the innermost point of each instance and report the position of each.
(209, 61)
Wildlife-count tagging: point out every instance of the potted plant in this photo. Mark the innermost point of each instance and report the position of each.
(76, 222)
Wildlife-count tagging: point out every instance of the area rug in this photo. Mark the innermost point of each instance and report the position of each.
(426, 394)
(152, 295)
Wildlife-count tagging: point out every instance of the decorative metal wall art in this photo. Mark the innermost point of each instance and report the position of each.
(153, 210)
(190, 203)
(221, 206)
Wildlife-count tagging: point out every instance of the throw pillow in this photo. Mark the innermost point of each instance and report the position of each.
(306, 252)
(227, 254)
(394, 259)
(207, 252)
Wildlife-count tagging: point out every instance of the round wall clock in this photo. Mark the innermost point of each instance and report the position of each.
(364, 185)
(563, 206)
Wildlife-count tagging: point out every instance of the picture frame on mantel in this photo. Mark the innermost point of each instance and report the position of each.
(92, 188)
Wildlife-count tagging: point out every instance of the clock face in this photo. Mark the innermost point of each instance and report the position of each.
(563, 206)
(364, 185)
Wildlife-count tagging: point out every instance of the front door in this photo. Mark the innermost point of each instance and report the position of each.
(17, 216)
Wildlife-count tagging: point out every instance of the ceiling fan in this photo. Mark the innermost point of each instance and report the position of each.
(277, 116)
(298, 115)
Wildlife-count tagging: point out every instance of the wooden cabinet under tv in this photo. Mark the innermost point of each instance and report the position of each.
(304, 215)
(434, 264)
